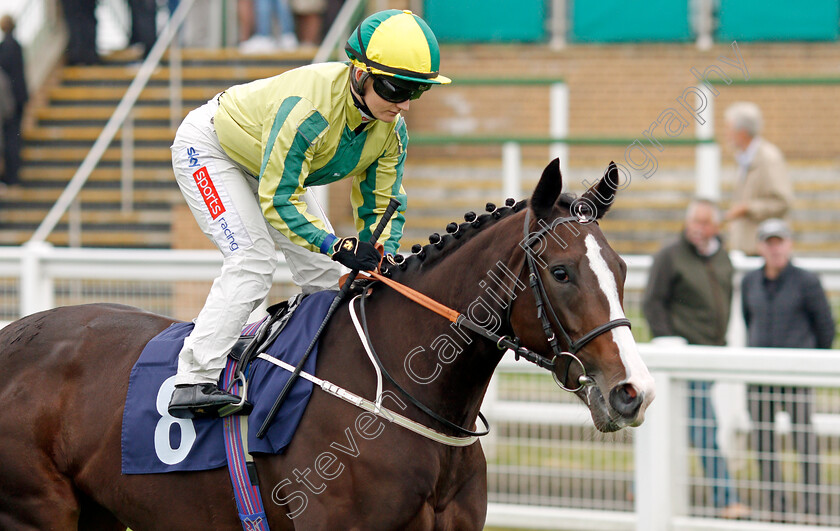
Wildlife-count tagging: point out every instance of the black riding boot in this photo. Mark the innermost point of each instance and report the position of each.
(199, 401)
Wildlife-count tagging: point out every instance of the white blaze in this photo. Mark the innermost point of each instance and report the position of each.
(637, 372)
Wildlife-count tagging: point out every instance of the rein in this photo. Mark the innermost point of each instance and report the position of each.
(503, 342)
(541, 298)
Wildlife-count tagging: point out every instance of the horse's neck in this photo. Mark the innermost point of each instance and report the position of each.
(454, 366)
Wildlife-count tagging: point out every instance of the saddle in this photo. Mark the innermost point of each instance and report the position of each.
(253, 340)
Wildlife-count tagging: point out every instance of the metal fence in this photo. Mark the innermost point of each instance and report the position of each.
(548, 468)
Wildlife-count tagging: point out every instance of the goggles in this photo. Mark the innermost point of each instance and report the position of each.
(389, 89)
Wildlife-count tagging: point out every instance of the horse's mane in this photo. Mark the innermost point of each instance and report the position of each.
(457, 234)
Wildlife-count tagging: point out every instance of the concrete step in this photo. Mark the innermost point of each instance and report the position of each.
(16, 197)
(190, 73)
(60, 175)
(48, 154)
(99, 114)
(89, 134)
(82, 95)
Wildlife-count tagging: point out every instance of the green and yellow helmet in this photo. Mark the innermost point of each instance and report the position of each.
(398, 44)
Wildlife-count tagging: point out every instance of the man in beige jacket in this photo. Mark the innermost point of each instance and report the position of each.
(763, 189)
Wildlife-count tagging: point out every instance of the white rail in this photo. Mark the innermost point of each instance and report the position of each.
(660, 450)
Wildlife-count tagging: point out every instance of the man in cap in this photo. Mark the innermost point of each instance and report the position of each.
(245, 160)
(784, 307)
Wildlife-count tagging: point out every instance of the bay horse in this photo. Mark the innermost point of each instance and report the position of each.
(65, 375)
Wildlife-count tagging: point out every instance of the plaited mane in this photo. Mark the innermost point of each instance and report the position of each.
(456, 235)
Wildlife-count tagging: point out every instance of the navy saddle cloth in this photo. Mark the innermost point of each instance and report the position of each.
(155, 442)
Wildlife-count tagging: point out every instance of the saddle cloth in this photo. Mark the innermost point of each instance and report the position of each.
(155, 442)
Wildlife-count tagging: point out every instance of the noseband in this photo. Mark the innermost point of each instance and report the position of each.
(541, 298)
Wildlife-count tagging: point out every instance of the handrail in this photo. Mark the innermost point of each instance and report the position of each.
(114, 123)
(339, 30)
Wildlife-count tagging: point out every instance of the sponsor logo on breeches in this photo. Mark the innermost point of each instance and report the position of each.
(229, 234)
(208, 192)
(211, 198)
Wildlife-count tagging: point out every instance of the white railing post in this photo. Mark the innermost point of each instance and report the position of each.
(127, 164)
(707, 164)
(74, 224)
(559, 25)
(231, 36)
(511, 169)
(703, 18)
(36, 288)
(654, 452)
(559, 124)
(736, 332)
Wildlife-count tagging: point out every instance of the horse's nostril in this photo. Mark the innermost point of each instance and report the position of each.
(626, 400)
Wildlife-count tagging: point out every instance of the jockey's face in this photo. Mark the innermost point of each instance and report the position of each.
(382, 109)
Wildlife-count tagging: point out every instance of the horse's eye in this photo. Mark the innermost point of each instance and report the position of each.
(560, 274)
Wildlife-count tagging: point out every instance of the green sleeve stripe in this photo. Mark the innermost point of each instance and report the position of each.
(290, 181)
(402, 135)
(365, 212)
(279, 119)
(398, 220)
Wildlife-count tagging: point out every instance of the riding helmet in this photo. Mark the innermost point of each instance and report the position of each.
(398, 44)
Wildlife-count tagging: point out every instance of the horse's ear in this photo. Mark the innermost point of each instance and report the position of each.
(602, 194)
(547, 190)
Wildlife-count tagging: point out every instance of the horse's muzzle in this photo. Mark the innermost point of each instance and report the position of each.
(626, 400)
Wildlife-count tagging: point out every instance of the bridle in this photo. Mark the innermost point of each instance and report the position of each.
(504, 342)
(541, 298)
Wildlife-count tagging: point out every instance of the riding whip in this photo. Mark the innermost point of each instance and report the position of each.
(393, 204)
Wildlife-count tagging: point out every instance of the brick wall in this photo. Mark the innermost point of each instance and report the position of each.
(618, 90)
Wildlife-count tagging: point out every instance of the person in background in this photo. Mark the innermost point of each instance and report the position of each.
(11, 62)
(245, 160)
(689, 296)
(266, 13)
(784, 307)
(143, 25)
(80, 16)
(7, 107)
(331, 12)
(309, 21)
(762, 189)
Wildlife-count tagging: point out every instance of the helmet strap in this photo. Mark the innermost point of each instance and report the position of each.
(359, 88)
(358, 84)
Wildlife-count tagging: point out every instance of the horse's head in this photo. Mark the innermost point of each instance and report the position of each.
(580, 281)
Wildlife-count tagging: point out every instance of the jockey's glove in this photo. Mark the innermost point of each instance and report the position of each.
(355, 254)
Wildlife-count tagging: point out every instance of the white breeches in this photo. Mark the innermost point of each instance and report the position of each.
(223, 198)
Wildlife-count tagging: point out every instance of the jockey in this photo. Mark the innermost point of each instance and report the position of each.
(244, 162)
